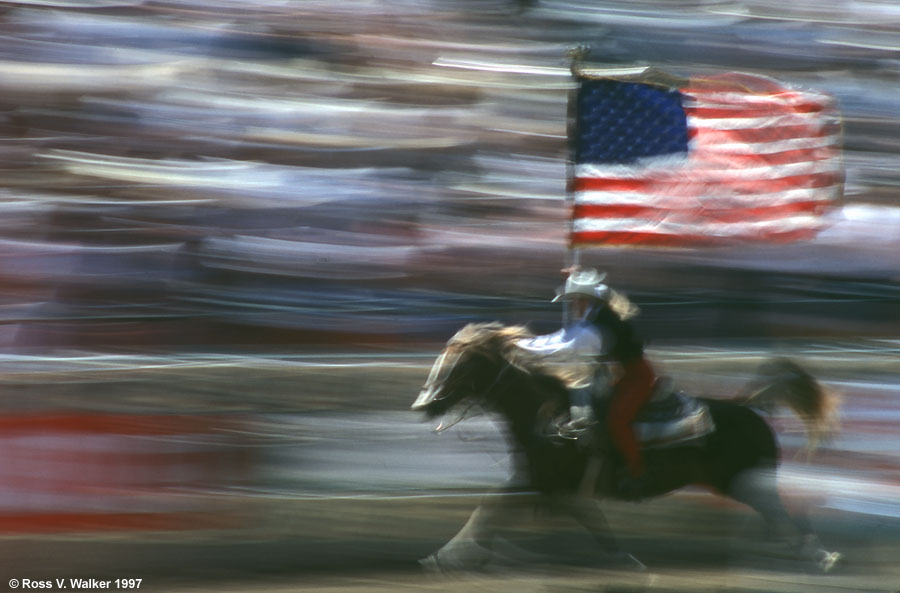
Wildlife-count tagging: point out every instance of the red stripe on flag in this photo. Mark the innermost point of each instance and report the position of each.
(670, 186)
(614, 211)
(745, 112)
(610, 184)
(646, 239)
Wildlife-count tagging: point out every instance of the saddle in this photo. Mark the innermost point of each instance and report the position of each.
(671, 417)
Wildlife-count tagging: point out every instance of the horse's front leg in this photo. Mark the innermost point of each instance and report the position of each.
(587, 512)
(473, 546)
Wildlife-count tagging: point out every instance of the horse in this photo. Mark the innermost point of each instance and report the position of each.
(482, 365)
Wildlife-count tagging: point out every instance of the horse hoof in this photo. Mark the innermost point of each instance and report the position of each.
(431, 565)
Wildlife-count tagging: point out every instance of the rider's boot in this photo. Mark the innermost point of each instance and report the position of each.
(582, 419)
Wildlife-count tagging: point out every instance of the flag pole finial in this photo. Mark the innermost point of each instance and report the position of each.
(578, 54)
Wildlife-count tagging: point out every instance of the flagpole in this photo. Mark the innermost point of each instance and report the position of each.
(572, 256)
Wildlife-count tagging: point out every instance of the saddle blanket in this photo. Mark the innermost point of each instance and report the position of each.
(672, 418)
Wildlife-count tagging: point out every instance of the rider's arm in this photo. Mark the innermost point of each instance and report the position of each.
(546, 345)
(577, 340)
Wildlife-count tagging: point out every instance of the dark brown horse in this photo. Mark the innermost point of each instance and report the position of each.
(482, 365)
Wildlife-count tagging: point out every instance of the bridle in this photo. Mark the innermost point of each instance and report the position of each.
(441, 427)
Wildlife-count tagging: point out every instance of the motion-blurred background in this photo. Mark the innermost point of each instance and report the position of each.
(212, 175)
(227, 226)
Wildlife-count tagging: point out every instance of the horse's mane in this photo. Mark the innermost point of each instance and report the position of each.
(490, 339)
(495, 339)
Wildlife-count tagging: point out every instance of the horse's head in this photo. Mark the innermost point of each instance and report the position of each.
(469, 367)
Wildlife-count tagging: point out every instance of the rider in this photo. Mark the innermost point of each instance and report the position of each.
(600, 327)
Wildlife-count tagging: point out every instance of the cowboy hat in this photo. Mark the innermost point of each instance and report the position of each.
(584, 283)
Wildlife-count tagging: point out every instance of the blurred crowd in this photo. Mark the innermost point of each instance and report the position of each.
(283, 173)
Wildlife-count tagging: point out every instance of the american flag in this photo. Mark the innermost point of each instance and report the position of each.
(706, 161)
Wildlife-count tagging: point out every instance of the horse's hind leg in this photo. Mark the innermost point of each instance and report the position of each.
(757, 489)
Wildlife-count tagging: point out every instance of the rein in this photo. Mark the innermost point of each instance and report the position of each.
(499, 376)
(441, 427)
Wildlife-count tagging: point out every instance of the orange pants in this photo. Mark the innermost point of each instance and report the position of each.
(631, 393)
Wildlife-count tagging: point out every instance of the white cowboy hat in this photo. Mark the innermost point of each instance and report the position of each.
(585, 283)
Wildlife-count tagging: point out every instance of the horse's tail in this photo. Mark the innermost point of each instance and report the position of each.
(782, 381)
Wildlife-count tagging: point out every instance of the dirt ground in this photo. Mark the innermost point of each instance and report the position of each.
(558, 581)
(691, 542)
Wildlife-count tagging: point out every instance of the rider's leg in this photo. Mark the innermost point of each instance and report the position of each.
(581, 405)
(632, 392)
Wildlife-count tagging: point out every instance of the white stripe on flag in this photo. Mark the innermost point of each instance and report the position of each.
(698, 171)
(692, 227)
(624, 198)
